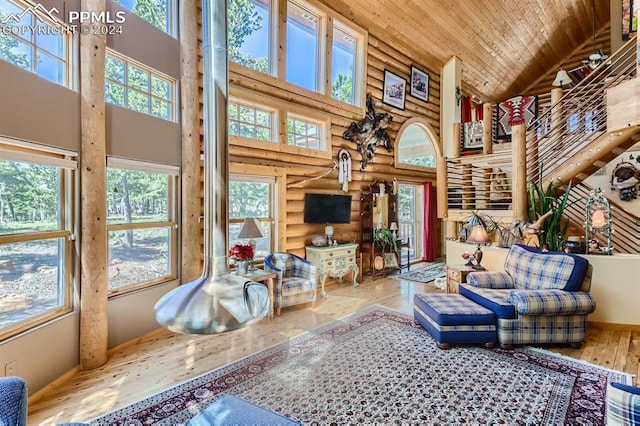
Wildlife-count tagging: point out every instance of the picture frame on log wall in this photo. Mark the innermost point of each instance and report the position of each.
(394, 90)
(419, 84)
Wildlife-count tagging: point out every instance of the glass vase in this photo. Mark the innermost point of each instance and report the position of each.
(242, 267)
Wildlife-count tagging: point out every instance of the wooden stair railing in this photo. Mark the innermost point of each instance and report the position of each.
(625, 225)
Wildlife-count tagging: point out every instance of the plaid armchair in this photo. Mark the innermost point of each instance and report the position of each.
(296, 280)
(540, 297)
(623, 404)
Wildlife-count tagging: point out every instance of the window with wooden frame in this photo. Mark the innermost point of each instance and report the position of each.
(251, 125)
(251, 121)
(36, 234)
(132, 85)
(308, 47)
(141, 224)
(253, 196)
(45, 51)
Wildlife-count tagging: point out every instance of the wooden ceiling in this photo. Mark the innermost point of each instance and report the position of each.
(504, 45)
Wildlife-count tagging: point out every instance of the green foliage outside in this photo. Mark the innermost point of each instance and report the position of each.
(242, 20)
(154, 12)
(342, 88)
(429, 161)
(248, 199)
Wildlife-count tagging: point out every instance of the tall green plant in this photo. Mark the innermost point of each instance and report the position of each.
(554, 228)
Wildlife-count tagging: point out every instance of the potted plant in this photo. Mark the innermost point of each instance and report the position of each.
(545, 202)
(383, 237)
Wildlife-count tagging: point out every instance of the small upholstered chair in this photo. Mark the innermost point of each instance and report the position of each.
(623, 405)
(13, 401)
(296, 280)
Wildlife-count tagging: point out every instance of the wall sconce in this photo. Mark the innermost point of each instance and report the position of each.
(598, 221)
(458, 95)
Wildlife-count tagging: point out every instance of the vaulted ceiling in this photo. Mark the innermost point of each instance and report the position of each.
(504, 45)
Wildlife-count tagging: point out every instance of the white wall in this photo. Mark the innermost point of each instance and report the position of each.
(614, 284)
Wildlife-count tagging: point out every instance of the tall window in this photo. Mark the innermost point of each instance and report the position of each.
(35, 236)
(44, 52)
(158, 13)
(132, 85)
(303, 34)
(304, 133)
(410, 216)
(250, 122)
(250, 34)
(252, 196)
(343, 67)
(141, 221)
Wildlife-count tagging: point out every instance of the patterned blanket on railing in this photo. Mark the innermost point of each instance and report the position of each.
(514, 111)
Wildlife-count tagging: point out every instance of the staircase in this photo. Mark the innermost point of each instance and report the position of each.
(567, 143)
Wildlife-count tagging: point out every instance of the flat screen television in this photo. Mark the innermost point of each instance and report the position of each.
(327, 208)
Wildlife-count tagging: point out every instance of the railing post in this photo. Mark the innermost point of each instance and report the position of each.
(467, 187)
(442, 203)
(556, 113)
(487, 117)
(519, 168)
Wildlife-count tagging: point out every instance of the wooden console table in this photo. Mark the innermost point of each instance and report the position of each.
(334, 261)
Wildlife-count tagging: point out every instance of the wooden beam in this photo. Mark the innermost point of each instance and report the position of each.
(93, 245)
(519, 170)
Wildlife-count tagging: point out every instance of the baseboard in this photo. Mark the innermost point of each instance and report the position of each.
(613, 326)
(46, 390)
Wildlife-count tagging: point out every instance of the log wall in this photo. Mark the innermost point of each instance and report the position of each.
(380, 56)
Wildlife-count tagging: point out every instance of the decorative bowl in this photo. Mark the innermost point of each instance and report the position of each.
(319, 241)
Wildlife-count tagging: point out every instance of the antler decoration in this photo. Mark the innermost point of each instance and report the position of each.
(370, 132)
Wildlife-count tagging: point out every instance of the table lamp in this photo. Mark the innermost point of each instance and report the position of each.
(394, 228)
(478, 236)
(251, 230)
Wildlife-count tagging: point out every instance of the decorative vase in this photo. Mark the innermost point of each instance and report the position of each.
(242, 266)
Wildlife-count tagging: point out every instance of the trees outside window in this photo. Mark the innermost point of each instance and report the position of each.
(250, 122)
(44, 52)
(249, 33)
(343, 65)
(141, 220)
(158, 13)
(134, 86)
(35, 238)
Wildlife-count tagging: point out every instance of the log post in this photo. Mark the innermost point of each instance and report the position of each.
(556, 113)
(519, 170)
(93, 245)
(487, 121)
(191, 162)
(457, 131)
(442, 203)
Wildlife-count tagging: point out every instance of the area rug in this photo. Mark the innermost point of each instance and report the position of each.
(378, 366)
(425, 274)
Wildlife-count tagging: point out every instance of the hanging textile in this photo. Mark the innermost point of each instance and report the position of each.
(344, 176)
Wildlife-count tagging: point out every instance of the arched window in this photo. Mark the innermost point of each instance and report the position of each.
(417, 146)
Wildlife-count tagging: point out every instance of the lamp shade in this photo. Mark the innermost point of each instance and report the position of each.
(251, 229)
(562, 78)
(479, 235)
(598, 220)
(393, 226)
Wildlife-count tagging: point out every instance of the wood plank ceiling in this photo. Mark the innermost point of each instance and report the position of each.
(504, 45)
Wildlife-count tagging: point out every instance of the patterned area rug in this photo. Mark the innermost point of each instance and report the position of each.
(377, 366)
(426, 274)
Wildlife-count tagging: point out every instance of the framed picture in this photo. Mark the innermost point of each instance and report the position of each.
(393, 90)
(419, 84)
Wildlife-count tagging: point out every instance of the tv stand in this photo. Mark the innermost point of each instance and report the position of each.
(334, 261)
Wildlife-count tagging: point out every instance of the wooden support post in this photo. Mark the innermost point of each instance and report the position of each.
(442, 184)
(556, 113)
(487, 126)
(519, 168)
(533, 165)
(93, 245)
(191, 162)
(457, 131)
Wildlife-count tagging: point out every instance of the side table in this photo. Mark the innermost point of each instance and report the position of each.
(457, 274)
(262, 276)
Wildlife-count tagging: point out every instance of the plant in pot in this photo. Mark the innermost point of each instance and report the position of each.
(383, 238)
(554, 228)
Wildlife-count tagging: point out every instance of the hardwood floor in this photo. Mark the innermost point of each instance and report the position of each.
(162, 359)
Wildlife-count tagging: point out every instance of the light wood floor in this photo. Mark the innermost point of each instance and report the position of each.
(161, 359)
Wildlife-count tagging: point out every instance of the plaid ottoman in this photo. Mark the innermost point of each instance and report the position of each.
(452, 318)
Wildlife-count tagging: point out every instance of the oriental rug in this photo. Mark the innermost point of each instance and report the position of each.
(425, 274)
(378, 366)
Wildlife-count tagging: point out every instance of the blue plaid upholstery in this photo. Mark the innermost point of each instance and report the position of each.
(540, 297)
(532, 269)
(452, 318)
(552, 302)
(623, 404)
(296, 279)
(541, 329)
(490, 279)
(13, 401)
